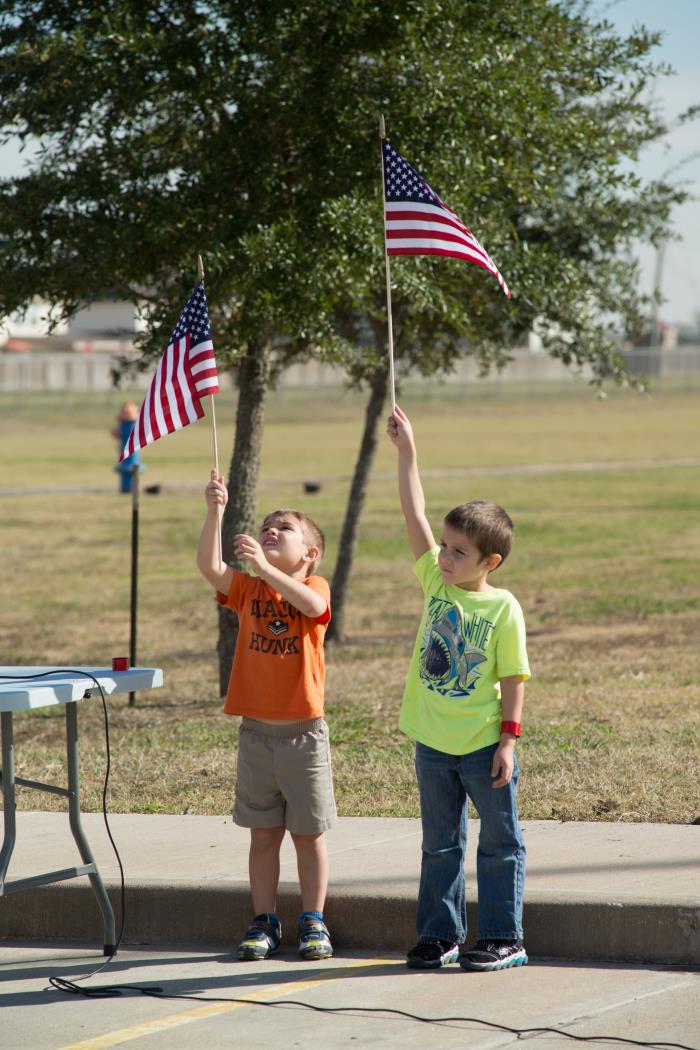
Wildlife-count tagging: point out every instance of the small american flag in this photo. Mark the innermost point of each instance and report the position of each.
(417, 222)
(186, 373)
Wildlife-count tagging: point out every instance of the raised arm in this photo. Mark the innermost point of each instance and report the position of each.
(420, 535)
(208, 562)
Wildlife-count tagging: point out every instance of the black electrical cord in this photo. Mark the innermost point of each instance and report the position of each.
(158, 993)
(114, 990)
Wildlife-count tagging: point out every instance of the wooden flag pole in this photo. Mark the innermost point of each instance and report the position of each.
(392, 382)
(200, 277)
(135, 472)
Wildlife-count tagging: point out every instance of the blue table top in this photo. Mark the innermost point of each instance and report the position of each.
(19, 691)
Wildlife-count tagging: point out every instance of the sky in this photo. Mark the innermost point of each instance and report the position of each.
(679, 21)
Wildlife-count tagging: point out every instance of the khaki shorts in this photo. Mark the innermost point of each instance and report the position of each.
(284, 777)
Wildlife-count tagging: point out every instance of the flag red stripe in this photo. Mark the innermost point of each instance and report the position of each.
(169, 360)
(432, 209)
(432, 232)
(141, 425)
(421, 225)
(203, 369)
(180, 384)
(189, 391)
(437, 251)
(153, 426)
(439, 235)
(208, 381)
(420, 244)
(202, 349)
(423, 230)
(432, 217)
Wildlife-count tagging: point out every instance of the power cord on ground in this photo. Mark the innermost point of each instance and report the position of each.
(158, 993)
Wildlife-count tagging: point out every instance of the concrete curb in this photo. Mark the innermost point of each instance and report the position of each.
(216, 912)
(593, 891)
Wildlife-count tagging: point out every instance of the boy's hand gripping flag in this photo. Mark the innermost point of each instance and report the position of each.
(186, 373)
(417, 222)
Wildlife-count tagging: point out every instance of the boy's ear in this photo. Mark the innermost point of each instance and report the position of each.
(493, 561)
(313, 553)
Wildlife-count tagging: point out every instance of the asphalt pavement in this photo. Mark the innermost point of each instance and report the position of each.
(612, 923)
(357, 999)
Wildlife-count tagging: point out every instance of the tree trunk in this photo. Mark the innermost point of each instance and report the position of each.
(239, 515)
(356, 501)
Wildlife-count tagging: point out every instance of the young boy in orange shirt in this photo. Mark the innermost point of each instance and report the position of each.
(283, 780)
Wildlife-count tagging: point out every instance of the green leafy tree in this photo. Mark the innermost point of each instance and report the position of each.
(246, 129)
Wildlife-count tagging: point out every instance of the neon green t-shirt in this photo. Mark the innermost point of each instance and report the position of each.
(467, 641)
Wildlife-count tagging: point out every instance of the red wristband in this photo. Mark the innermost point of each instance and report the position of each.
(511, 727)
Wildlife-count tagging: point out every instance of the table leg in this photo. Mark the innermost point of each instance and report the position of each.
(77, 828)
(8, 794)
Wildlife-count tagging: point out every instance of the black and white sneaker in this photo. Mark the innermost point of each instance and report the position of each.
(262, 938)
(314, 940)
(494, 955)
(432, 952)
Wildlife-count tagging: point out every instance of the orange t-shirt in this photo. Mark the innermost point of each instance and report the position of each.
(278, 668)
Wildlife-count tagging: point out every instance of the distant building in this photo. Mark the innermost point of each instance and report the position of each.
(661, 334)
(29, 330)
(103, 326)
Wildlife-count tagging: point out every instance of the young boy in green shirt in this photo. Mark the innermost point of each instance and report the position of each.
(462, 705)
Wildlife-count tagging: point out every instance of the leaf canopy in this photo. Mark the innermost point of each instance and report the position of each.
(247, 130)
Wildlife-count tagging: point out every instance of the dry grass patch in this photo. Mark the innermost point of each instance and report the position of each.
(601, 567)
(599, 740)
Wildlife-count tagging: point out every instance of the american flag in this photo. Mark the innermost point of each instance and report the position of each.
(417, 222)
(186, 373)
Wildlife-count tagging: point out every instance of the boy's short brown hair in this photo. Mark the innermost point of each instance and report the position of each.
(486, 524)
(311, 531)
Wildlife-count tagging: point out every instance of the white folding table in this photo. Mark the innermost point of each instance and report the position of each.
(27, 688)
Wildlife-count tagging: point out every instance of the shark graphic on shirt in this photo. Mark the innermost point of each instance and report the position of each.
(448, 663)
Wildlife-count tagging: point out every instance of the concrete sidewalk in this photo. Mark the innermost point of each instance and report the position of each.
(594, 891)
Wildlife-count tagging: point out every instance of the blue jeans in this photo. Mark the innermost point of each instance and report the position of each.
(444, 782)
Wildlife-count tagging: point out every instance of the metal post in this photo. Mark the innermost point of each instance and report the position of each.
(73, 762)
(134, 567)
(8, 794)
(655, 334)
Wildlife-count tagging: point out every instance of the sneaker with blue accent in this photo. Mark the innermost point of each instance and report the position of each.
(314, 939)
(494, 955)
(262, 938)
(431, 953)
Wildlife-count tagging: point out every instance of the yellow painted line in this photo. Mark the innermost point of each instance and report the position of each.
(201, 1013)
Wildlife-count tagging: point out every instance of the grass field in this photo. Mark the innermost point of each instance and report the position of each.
(605, 497)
